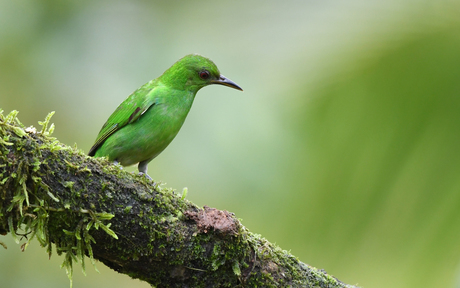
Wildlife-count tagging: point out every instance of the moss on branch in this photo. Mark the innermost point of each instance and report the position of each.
(90, 207)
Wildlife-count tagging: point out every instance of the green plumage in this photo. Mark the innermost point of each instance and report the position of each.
(146, 122)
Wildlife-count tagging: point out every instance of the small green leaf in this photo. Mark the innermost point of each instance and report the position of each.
(109, 231)
(52, 196)
(184, 193)
(4, 142)
(104, 216)
(11, 116)
(236, 269)
(18, 131)
(12, 231)
(45, 124)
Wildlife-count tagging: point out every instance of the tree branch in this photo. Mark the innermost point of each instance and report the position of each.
(59, 195)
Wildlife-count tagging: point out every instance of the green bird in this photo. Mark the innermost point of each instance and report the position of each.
(146, 122)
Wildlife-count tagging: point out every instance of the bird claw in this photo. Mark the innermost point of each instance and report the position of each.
(147, 176)
(116, 163)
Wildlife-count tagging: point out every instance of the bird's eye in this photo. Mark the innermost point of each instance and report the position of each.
(204, 75)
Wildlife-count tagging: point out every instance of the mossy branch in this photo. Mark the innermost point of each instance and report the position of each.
(90, 207)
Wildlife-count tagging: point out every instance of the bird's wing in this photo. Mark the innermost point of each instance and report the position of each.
(127, 112)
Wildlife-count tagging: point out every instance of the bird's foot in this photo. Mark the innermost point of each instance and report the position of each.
(147, 176)
(116, 163)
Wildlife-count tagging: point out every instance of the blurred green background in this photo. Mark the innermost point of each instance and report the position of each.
(343, 147)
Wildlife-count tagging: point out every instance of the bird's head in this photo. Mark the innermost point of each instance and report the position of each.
(194, 72)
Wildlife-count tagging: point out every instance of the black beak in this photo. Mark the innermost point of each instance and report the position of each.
(226, 82)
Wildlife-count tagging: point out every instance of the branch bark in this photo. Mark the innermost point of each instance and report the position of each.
(60, 196)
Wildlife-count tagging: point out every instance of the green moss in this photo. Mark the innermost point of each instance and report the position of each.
(29, 212)
(127, 209)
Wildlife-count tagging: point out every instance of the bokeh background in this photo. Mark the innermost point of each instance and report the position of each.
(343, 147)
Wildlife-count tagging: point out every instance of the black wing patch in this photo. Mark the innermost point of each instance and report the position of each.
(101, 140)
